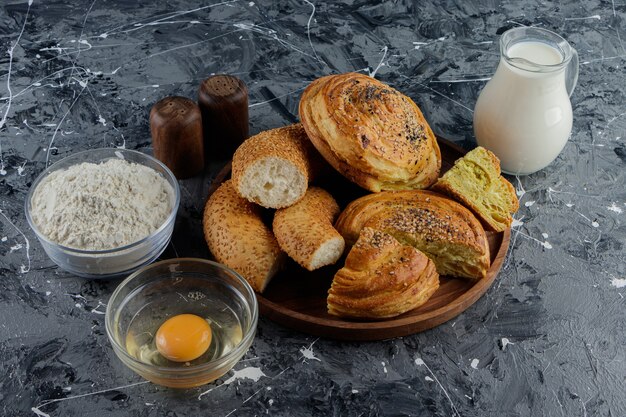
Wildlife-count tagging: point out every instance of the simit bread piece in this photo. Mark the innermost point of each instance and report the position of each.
(475, 181)
(305, 230)
(370, 133)
(382, 278)
(444, 230)
(238, 238)
(273, 168)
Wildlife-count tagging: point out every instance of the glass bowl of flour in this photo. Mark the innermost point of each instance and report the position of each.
(104, 213)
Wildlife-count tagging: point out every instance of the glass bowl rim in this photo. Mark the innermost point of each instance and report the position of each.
(55, 167)
(245, 342)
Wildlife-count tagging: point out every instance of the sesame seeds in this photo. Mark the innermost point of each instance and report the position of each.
(375, 238)
(423, 221)
(237, 236)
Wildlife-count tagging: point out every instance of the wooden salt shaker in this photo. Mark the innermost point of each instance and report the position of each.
(176, 127)
(223, 101)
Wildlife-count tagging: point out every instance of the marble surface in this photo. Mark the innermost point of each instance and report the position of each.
(549, 338)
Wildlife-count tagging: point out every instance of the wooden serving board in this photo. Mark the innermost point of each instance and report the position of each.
(296, 298)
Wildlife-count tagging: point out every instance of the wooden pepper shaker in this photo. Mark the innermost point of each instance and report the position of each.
(223, 101)
(176, 127)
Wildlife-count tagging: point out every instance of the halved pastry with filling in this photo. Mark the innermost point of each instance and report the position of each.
(438, 226)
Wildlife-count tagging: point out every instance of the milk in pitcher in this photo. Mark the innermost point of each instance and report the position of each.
(524, 113)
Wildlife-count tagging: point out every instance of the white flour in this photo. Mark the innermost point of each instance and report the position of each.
(101, 206)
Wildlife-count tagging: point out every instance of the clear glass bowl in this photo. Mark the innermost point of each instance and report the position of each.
(111, 262)
(145, 294)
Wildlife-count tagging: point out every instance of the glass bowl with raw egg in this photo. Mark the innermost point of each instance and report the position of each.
(182, 322)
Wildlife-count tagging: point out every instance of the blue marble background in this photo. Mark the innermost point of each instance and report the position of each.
(549, 338)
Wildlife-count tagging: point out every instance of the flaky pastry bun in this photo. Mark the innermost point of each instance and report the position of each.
(372, 134)
(381, 278)
(444, 230)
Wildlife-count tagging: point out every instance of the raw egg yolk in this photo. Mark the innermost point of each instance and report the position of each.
(183, 338)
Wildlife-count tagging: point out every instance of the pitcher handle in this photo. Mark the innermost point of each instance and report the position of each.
(571, 73)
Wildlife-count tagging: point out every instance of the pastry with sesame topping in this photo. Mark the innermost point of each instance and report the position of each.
(444, 230)
(238, 238)
(372, 134)
(382, 278)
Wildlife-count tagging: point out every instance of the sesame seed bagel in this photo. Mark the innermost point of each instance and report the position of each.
(444, 230)
(273, 168)
(305, 230)
(238, 238)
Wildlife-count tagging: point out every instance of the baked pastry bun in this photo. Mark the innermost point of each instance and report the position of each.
(444, 230)
(273, 168)
(475, 181)
(370, 133)
(238, 238)
(381, 278)
(305, 230)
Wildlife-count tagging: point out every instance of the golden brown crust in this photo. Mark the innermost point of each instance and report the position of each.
(381, 278)
(238, 238)
(436, 225)
(371, 133)
(306, 229)
(475, 181)
(288, 144)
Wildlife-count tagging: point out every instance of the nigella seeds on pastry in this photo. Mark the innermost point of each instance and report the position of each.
(365, 141)
(381, 278)
(380, 151)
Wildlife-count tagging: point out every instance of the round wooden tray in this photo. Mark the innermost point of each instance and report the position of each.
(296, 298)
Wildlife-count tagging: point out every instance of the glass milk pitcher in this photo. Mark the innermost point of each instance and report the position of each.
(524, 114)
